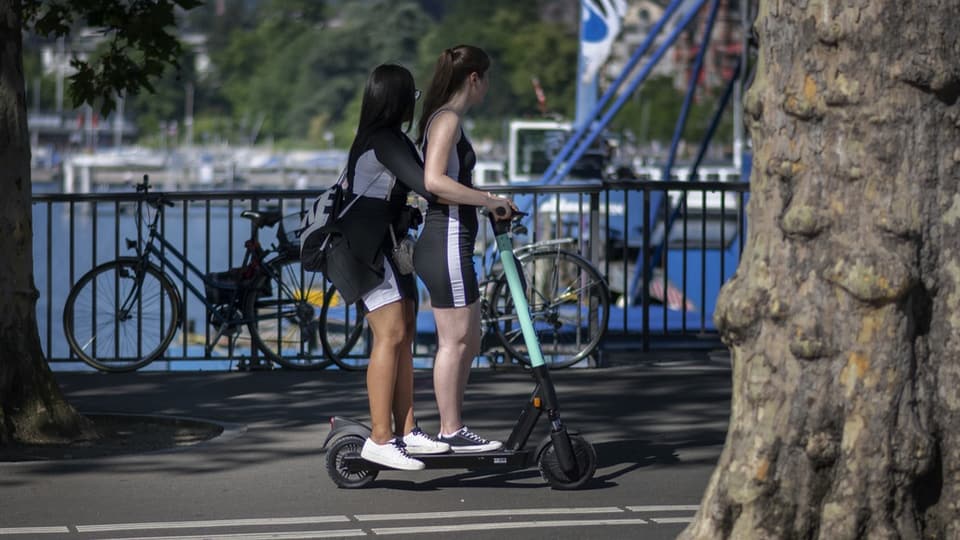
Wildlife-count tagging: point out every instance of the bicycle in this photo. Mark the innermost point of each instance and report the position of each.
(123, 314)
(569, 302)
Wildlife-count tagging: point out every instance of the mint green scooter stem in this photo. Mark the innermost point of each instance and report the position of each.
(558, 432)
(505, 247)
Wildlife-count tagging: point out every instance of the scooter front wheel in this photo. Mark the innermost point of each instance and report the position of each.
(551, 471)
(348, 475)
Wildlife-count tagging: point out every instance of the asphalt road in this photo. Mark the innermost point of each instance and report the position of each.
(657, 424)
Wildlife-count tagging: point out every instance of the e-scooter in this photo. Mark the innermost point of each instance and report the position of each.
(566, 460)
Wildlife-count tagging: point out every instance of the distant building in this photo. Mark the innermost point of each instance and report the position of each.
(725, 47)
(641, 16)
(723, 50)
(65, 127)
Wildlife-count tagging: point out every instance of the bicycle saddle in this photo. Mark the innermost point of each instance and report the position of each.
(263, 218)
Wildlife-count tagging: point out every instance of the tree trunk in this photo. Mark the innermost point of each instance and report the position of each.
(32, 407)
(844, 315)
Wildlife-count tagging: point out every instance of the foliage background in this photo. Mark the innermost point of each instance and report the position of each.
(290, 72)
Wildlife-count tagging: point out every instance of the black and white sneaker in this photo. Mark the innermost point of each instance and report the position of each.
(465, 440)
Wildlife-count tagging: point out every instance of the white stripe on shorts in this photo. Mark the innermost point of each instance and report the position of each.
(387, 292)
(453, 257)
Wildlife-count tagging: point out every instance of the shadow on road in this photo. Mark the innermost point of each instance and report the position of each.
(614, 460)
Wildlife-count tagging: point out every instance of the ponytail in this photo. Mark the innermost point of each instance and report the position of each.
(453, 68)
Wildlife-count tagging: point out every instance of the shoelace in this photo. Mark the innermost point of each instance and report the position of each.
(401, 446)
(466, 433)
(417, 432)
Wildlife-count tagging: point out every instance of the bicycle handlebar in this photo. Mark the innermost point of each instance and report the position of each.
(156, 199)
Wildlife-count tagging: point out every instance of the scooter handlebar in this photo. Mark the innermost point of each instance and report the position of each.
(503, 226)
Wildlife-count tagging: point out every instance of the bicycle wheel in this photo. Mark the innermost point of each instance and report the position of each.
(121, 315)
(569, 304)
(342, 328)
(282, 312)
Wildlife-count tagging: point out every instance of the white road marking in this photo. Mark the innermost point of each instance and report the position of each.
(257, 536)
(211, 523)
(672, 519)
(487, 513)
(509, 525)
(33, 530)
(313, 520)
(664, 508)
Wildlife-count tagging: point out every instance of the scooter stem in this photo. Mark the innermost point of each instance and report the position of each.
(510, 270)
(558, 433)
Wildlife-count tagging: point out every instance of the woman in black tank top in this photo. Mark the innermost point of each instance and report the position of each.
(444, 253)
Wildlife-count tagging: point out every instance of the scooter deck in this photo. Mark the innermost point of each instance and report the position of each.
(499, 459)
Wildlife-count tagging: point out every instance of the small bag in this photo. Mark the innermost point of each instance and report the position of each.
(403, 253)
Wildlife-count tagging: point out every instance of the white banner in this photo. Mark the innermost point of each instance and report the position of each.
(601, 21)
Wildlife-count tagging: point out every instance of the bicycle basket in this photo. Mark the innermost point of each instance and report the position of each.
(223, 287)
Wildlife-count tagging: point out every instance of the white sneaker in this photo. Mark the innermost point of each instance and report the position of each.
(392, 454)
(419, 442)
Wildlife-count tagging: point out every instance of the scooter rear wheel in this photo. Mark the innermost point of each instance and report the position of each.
(342, 475)
(551, 471)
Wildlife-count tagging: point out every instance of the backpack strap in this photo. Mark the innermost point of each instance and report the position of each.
(356, 197)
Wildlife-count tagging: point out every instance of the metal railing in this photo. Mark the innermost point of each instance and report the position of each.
(75, 232)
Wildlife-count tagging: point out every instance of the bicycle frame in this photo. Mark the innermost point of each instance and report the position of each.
(544, 308)
(168, 256)
(148, 248)
(265, 297)
(543, 246)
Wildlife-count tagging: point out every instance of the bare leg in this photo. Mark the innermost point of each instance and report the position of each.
(403, 392)
(388, 327)
(458, 343)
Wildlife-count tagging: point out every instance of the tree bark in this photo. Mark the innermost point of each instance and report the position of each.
(32, 407)
(844, 315)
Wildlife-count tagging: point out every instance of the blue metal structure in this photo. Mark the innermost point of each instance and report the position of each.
(658, 208)
(668, 167)
(587, 133)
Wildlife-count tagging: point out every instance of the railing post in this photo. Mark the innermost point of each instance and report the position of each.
(645, 277)
(594, 256)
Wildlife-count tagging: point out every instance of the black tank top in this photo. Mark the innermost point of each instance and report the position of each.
(460, 165)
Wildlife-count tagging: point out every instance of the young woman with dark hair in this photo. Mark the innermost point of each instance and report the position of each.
(382, 168)
(444, 254)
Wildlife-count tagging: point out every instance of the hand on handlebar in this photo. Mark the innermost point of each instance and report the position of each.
(501, 207)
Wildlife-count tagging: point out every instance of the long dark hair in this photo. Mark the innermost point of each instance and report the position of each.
(389, 100)
(451, 72)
